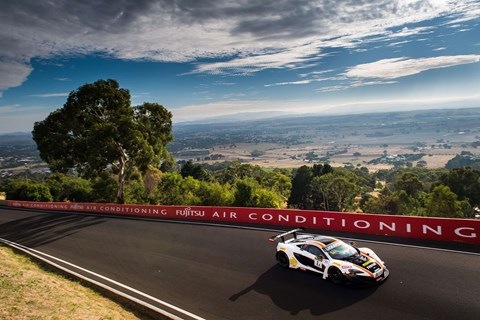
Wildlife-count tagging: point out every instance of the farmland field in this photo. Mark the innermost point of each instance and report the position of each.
(436, 136)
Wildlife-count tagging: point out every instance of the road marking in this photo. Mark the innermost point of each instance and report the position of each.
(36, 254)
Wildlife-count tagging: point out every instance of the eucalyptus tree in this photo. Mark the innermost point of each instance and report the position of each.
(97, 130)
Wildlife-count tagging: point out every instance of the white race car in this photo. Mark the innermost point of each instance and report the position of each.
(331, 257)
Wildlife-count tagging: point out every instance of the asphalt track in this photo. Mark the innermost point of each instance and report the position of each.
(226, 273)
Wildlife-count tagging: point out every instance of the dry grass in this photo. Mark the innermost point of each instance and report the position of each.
(29, 292)
(279, 156)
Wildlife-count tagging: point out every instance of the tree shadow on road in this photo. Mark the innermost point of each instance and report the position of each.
(295, 290)
(41, 229)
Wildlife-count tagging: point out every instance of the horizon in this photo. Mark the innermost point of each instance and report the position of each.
(235, 118)
(230, 58)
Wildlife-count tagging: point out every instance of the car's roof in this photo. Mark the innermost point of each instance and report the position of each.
(324, 240)
(314, 239)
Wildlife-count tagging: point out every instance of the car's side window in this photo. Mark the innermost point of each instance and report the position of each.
(314, 250)
(322, 254)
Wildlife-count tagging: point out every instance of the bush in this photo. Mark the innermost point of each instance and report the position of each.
(28, 191)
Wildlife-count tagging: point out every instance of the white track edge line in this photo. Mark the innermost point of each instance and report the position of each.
(36, 253)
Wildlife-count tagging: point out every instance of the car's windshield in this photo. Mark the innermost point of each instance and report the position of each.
(340, 250)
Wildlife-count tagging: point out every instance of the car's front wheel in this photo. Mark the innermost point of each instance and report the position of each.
(282, 259)
(335, 275)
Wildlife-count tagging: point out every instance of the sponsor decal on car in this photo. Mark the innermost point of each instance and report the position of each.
(333, 245)
(293, 262)
(367, 263)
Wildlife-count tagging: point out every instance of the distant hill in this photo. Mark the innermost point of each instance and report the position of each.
(16, 138)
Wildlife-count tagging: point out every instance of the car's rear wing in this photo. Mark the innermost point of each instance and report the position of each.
(282, 235)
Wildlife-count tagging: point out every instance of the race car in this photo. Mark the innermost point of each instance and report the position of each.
(331, 257)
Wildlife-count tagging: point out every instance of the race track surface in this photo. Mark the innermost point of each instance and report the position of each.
(227, 273)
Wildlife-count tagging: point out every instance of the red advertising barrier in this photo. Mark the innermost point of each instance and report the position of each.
(459, 230)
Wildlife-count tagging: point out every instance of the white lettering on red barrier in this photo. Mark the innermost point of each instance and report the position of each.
(470, 235)
(462, 230)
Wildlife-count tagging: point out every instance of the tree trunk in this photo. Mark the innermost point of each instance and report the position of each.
(121, 182)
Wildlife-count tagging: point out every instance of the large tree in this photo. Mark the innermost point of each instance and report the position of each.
(97, 129)
(442, 202)
(299, 196)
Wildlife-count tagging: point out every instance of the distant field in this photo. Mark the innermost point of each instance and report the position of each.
(286, 142)
(280, 157)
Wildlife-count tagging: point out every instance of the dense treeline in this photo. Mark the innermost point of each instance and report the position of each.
(407, 191)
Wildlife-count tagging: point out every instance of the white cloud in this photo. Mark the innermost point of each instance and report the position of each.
(402, 67)
(13, 74)
(407, 32)
(288, 83)
(290, 58)
(50, 95)
(248, 35)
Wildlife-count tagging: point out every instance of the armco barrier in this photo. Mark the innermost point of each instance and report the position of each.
(459, 230)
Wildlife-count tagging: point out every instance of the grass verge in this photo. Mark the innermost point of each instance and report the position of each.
(28, 291)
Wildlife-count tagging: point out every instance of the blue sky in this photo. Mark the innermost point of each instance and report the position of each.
(207, 59)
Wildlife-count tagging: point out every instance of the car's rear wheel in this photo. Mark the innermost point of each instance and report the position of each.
(282, 259)
(335, 275)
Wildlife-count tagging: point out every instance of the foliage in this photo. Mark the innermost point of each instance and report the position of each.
(97, 129)
(277, 182)
(104, 188)
(323, 188)
(28, 191)
(464, 159)
(257, 153)
(410, 183)
(195, 171)
(135, 191)
(215, 194)
(237, 170)
(465, 183)
(249, 193)
(442, 202)
(336, 191)
(171, 190)
(427, 176)
(299, 196)
(151, 179)
(405, 191)
(69, 188)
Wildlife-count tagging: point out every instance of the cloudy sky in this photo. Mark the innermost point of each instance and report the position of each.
(211, 58)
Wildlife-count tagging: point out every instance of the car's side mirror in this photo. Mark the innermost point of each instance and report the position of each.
(352, 243)
(320, 258)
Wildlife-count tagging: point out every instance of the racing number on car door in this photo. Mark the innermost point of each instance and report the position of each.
(319, 265)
